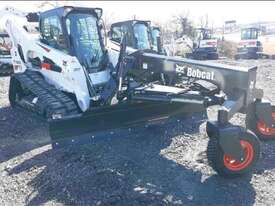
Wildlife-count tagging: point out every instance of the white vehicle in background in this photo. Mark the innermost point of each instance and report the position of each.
(250, 47)
(5, 57)
(11, 18)
(205, 46)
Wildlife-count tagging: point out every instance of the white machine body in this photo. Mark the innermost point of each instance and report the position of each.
(71, 79)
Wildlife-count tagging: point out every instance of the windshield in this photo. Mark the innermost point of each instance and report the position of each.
(155, 35)
(5, 45)
(249, 34)
(141, 34)
(85, 37)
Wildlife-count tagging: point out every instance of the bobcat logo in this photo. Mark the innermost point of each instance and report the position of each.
(180, 69)
(195, 73)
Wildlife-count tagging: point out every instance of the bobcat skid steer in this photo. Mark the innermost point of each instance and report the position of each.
(66, 76)
(250, 47)
(139, 34)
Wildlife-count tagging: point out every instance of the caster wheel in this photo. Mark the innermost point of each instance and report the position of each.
(227, 166)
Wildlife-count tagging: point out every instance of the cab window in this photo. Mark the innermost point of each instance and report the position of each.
(52, 34)
(141, 34)
(117, 34)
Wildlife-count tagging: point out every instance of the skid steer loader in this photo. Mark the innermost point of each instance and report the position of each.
(140, 35)
(250, 47)
(66, 76)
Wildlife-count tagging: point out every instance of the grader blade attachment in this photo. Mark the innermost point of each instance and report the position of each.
(82, 129)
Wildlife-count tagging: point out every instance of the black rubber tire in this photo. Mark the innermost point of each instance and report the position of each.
(215, 156)
(14, 91)
(251, 124)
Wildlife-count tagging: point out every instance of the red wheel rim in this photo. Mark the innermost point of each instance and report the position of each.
(263, 129)
(235, 165)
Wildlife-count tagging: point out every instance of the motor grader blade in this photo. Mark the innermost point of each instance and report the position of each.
(81, 129)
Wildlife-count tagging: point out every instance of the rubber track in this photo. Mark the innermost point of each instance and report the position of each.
(50, 100)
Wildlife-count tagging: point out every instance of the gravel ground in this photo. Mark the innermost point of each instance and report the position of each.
(159, 165)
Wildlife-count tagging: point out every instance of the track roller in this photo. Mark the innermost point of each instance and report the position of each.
(31, 91)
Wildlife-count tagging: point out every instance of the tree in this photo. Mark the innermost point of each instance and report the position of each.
(109, 18)
(184, 25)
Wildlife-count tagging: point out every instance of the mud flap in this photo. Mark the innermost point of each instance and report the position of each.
(228, 137)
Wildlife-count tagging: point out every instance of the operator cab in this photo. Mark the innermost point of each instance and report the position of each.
(205, 39)
(77, 32)
(137, 33)
(138, 36)
(204, 34)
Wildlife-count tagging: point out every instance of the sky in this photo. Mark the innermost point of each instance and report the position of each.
(217, 11)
